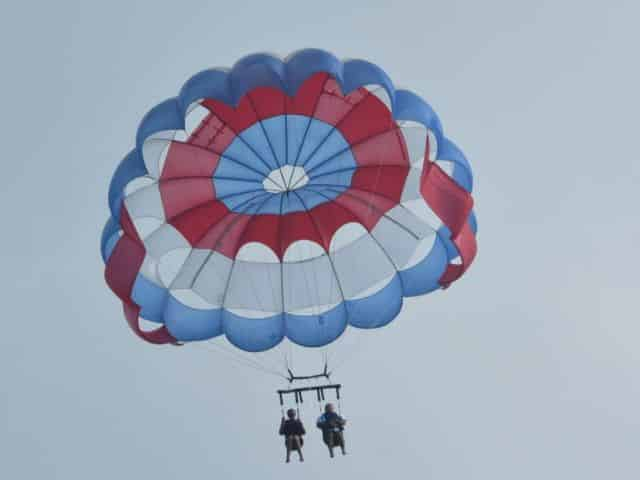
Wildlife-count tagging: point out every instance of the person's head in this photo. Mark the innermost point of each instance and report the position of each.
(329, 408)
(291, 413)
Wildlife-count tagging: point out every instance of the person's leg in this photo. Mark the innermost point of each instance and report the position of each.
(330, 443)
(340, 438)
(325, 439)
(287, 442)
(298, 447)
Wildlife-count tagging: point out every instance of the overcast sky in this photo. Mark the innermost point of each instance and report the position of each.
(525, 369)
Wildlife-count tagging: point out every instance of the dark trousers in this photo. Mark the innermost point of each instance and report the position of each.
(293, 442)
(333, 439)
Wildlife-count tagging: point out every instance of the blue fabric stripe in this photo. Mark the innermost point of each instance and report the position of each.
(110, 236)
(252, 71)
(304, 63)
(378, 309)
(316, 330)
(253, 334)
(330, 153)
(410, 106)
(167, 115)
(424, 277)
(462, 170)
(473, 221)
(358, 73)
(150, 297)
(187, 324)
(131, 167)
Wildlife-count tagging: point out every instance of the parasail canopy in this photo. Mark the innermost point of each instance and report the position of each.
(285, 199)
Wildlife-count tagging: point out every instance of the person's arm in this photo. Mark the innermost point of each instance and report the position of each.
(281, 431)
(320, 422)
(302, 430)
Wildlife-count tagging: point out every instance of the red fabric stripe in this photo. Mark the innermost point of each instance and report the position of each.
(387, 181)
(329, 217)
(127, 225)
(297, 226)
(386, 148)
(447, 199)
(195, 222)
(367, 207)
(121, 271)
(212, 133)
(238, 119)
(185, 160)
(123, 266)
(263, 229)
(224, 234)
(333, 106)
(305, 99)
(452, 204)
(369, 118)
(362, 119)
(125, 260)
(180, 195)
(235, 230)
(465, 241)
(268, 102)
(213, 226)
(159, 336)
(265, 102)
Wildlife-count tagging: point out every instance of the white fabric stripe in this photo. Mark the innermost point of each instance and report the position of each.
(149, 270)
(415, 137)
(360, 265)
(447, 166)
(145, 202)
(211, 278)
(154, 149)
(397, 242)
(163, 240)
(254, 286)
(411, 190)
(423, 212)
(309, 284)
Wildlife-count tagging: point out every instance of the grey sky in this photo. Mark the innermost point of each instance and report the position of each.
(527, 368)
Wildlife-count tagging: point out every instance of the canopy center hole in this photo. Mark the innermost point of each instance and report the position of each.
(285, 179)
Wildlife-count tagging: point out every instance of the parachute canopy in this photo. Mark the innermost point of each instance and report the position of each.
(285, 198)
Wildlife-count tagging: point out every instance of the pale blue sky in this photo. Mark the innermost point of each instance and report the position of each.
(526, 369)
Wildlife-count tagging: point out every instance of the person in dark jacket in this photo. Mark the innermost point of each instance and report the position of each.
(332, 426)
(293, 430)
